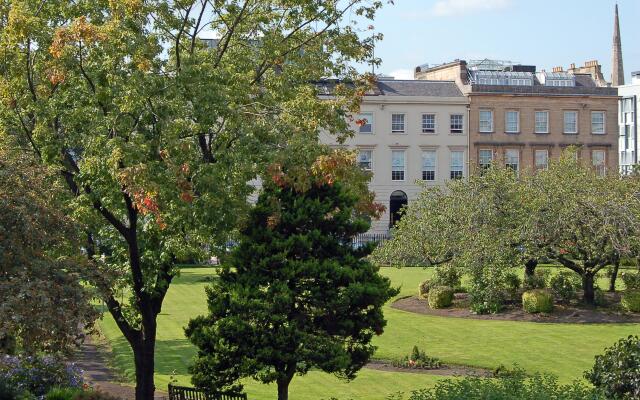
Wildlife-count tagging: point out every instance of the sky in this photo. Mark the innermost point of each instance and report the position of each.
(545, 33)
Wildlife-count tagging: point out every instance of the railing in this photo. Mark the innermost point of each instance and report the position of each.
(189, 393)
(365, 238)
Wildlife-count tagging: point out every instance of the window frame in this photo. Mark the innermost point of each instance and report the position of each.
(456, 131)
(604, 122)
(426, 169)
(535, 159)
(490, 121)
(428, 131)
(481, 165)
(509, 164)
(456, 173)
(506, 121)
(601, 169)
(404, 123)
(404, 165)
(370, 151)
(564, 122)
(535, 121)
(369, 122)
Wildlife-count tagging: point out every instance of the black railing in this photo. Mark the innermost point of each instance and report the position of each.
(365, 238)
(189, 393)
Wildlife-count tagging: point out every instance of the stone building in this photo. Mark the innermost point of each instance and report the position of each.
(627, 120)
(415, 133)
(523, 117)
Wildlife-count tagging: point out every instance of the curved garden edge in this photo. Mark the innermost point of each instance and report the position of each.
(445, 370)
(561, 314)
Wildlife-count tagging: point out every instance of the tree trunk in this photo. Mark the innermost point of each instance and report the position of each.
(614, 275)
(530, 267)
(589, 296)
(283, 388)
(143, 354)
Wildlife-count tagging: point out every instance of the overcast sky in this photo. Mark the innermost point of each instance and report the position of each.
(545, 33)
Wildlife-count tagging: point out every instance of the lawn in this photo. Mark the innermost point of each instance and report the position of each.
(562, 349)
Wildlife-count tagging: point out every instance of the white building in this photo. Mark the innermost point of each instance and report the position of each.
(414, 131)
(627, 120)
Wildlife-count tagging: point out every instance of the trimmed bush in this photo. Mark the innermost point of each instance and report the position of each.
(565, 285)
(440, 297)
(537, 300)
(631, 280)
(616, 371)
(631, 300)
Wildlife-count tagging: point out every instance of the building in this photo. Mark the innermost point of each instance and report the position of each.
(523, 117)
(409, 133)
(627, 120)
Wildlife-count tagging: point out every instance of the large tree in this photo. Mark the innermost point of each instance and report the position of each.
(44, 306)
(156, 135)
(295, 294)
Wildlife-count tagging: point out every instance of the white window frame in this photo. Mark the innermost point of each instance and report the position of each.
(361, 161)
(509, 161)
(546, 121)
(506, 121)
(423, 124)
(600, 167)
(399, 168)
(404, 123)
(538, 166)
(451, 118)
(564, 122)
(456, 171)
(481, 164)
(429, 168)
(485, 125)
(603, 124)
(369, 117)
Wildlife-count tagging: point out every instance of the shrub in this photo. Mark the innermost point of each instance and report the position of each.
(565, 285)
(487, 293)
(423, 288)
(94, 395)
(513, 284)
(440, 297)
(447, 276)
(515, 386)
(537, 300)
(599, 297)
(631, 280)
(62, 393)
(417, 360)
(631, 300)
(616, 371)
(38, 374)
(538, 280)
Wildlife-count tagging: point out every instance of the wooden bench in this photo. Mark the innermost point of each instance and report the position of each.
(189, 393)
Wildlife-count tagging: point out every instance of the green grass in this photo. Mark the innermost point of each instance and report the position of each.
(565, 350)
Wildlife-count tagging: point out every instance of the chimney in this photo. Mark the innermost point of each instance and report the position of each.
(556, 69)
(617, 71)
(572, 66)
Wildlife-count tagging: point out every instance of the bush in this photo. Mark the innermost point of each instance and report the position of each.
(565, 285)
(537, 281)
(599, 297)
(538, 300)
(631, 280)
(423, 288)
(417, 360)
(440, 297)
(513, 284)
(516, 386)
(631, 300)
(62, 393)
(487, 293)
(39, 374)
(94, 395)
(616, 371)
(447, 276)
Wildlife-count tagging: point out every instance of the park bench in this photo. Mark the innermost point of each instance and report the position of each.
(189, 393)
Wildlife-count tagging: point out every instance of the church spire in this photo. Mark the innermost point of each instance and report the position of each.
(617, 71)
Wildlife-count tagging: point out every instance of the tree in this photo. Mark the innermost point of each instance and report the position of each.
(44, 304)
(156, 135)
(616, 371)
(581, 220)
(295, 295)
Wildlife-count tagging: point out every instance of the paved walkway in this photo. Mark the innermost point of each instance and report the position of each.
(98, 375)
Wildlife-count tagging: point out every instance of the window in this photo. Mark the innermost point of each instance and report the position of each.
(486, 121)
(456, 123)
(485, 156)
(542, 159)
(512, 122)
(512, 159)
(571, 122)
(429, 165)
(597, 122)
(365, 123)
(397, 123)
(397, 165)
(598, 159)
(365, 159)
(542, 121)
(456, 165)
(428, 123)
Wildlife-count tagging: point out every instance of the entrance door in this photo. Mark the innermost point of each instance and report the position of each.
(397, 200)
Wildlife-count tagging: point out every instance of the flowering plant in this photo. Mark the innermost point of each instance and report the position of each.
(38, 374)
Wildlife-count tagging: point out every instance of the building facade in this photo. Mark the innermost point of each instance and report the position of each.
(522, 117)
(627, 120)
(409, 134)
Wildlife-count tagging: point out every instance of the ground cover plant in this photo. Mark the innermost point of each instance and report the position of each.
(564, 350)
